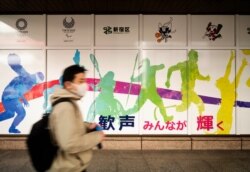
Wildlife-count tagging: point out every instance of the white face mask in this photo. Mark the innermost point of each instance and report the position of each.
(81, 89)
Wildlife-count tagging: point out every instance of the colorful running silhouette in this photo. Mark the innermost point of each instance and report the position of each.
(247, 52)
(148, 89)
(189, 71)
(248, 82)
(105, 103)
(13, 94)
(228, 96)
(47, 106)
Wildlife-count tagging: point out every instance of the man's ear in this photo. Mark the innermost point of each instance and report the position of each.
(67, 85)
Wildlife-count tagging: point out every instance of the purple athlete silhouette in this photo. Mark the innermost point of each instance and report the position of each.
(13, 94)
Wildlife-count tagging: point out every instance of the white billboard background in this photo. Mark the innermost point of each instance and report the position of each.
(58, 60)
(167, 58)
(173, 27)
(89, 33)
(199, 25)
(70, 30)
(243, 90)
(22, 30)
(33, 61)
(244, 30)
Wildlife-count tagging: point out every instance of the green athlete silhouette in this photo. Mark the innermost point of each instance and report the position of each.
(189, 74)
(148, 89)
(105, 103)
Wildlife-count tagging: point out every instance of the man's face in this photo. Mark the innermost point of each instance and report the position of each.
(79, 85)
(80, 78)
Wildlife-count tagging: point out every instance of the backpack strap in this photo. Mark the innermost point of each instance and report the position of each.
(64, 100)
(61, 100)
(53, 105)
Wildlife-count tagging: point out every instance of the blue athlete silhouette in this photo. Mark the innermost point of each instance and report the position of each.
(51, 90)
(13, 94)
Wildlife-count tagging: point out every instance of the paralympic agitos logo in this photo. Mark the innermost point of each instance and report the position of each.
(68, 23)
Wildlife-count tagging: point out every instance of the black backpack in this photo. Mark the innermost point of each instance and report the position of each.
(41, 148)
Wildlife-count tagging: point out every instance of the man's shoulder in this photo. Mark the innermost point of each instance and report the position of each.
(61, 93)
(61, 100)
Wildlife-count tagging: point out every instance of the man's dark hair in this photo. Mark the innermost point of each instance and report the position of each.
(70, 72)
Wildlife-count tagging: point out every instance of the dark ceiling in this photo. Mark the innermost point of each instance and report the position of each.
(124, 6)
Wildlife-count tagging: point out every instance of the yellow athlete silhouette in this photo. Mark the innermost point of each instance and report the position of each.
(248, 82)
(189, 74)
(228, 96)
(247, 52)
